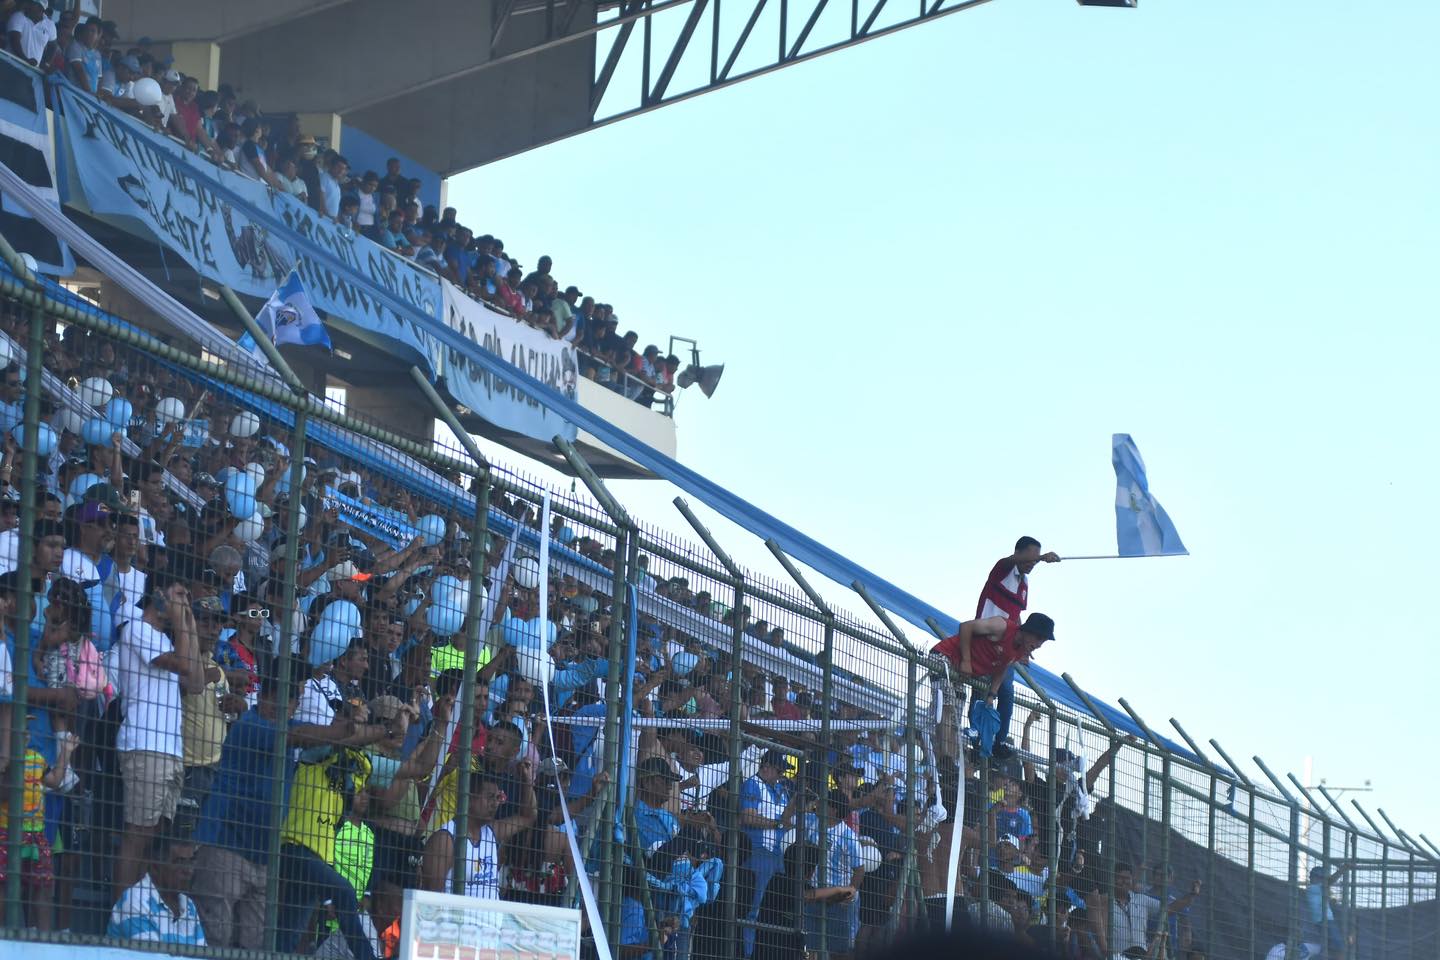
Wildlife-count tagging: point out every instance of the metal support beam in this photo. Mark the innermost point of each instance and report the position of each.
(262, 340)
(1090, 705)
(1234, 767)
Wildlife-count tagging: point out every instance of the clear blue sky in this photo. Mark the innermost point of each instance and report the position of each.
(942, 268)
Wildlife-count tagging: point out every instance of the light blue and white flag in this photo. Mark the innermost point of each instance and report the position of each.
(289, 317)
(1142, 527)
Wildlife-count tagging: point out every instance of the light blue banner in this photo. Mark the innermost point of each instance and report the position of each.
(217, 221)
(388, 525)
(237, 231)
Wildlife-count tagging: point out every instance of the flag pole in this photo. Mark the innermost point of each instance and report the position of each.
(1125, 556)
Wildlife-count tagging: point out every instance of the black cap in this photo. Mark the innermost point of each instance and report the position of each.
(773, 758)
(1039, 625)
(655, 767)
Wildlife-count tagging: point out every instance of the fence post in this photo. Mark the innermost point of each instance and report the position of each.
(1165, 799)
(827, 684)
(1384, 876)
(1292, 940)
(29, 463)
(1110, 855)
(1211, 819)
(908, 868)
(731, 883)
(1249, 845)
(1348, 927)
(1053, 851)
(474, 613)
(615, 752)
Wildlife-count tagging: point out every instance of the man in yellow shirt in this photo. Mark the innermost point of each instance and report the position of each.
(320, 797)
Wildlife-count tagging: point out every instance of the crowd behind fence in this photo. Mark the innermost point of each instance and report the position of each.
(270, 666)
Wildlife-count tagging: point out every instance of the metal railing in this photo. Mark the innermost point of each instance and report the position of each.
(681, 715)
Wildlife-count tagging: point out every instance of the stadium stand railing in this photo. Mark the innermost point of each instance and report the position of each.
(747, 769)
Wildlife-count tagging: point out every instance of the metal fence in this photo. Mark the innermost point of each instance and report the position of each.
(272, 666)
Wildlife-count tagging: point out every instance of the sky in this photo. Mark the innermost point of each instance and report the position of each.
(942, 268)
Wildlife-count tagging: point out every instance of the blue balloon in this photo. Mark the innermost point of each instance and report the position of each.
(344, 613)
(240, 494)
(118, 413)
(445, 620)
(78, 486)
(10, 415)
(328, 640)
(525, 634)
(566, 535)
(96, 432)
(432, 528)
(47, 439)
(411, 606)
(448, 585)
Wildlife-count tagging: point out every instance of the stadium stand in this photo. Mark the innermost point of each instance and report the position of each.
(279, 669)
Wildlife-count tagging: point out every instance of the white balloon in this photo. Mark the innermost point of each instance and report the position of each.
(245, 424)
(870, 858)
(70, 420)
(535, 666)
(527, 573)
(257, 472)
(251, 527)
(147, 92)
(96, 391)
(30, 263)
(169, 410)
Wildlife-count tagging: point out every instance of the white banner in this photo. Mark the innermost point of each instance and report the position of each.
(442, 926)
(548, 360)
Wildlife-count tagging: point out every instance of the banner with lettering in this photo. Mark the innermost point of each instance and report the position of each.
(391, 526)
(546, 359)
(235, 230)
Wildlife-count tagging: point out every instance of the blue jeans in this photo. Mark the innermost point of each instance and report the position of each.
(764, 864)
(305, 882)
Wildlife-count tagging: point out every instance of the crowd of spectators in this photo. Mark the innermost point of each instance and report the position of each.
(387, 208)
(158, 627)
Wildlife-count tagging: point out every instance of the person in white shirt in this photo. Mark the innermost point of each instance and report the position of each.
(169, 82)
(1132, 913)
(28, 31)
(331, 180)
(485, 834)
(156, 908)
(158, 660)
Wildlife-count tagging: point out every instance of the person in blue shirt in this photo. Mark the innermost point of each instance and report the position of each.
(83, 60)
(654, 824)
(767, 809)
(1320, 924)
(236, 825)
(156, 909)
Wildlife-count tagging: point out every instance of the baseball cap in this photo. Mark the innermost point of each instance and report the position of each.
(554, 767)
(92, 512)
(171, 76)
(130, 63)
(348, 571)
(773, 758)
(1011, 839)
(1039, 625)
(655, 767)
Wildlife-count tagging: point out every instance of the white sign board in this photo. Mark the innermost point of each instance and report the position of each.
(443, 926)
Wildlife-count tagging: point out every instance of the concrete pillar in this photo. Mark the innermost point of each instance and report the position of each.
(199, 59)
(324, 127)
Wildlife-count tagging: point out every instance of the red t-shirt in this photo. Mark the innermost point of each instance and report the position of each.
(1011, 604)
(988, 656)
(190, 117)
(477, 742)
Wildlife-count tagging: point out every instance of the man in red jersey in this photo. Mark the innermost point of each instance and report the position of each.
(986, 649)
(1005, 594)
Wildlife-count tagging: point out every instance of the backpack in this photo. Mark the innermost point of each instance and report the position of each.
(84, 672)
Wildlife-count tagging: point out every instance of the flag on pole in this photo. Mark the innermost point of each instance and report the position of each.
(289, 317)
(1142, 527)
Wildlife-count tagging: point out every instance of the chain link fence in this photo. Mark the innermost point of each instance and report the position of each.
(270, 666)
